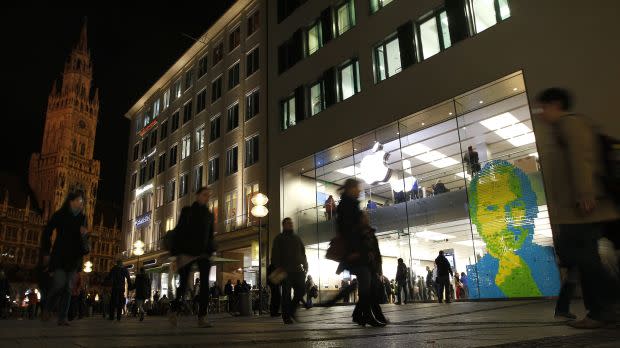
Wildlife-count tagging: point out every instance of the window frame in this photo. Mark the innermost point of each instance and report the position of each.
(199, 135)
(183, 184)
(232, 160)
(380, 5)
(351, 16)
(217, 119)
(175, 120)
(377, 67)
(201, 100)
(218, 53)
(231, 35)
(216, 88)
(254, 154)
(234, 75)
(188, 111)
(203, 66)
(252, 60)
(213, 171)
(436, 15)
(286, 104)
(232, 121)
(188, 79)
(186, 146)
(319, 30)
(321, 84)
(253, 18)
(252, 107)
(174, 154)
(356, 79)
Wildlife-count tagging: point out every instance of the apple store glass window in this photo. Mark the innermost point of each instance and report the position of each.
(462, 176)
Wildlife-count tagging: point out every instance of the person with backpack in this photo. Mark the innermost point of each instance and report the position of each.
(63, 258)
(575, 158)
(194, 244)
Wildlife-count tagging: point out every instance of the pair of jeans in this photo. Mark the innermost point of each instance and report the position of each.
(577, 246)
(402, 287)
(294, 281)
(443, 283)
(60, 293)
(117, 301)
(204, 267)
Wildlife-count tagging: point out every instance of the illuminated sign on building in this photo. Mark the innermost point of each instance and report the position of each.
(143, 219)
(141, 190)
(147, 128)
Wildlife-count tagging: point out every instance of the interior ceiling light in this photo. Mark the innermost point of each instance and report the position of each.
(510, 128)
(430, 235)
(425, 154)
(348, 171)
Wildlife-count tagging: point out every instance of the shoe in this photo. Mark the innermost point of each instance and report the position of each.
(587, 323)
(141, 316)
(359, 320)
(564, 315)
(288, 321)
(202, 322)
(173, 319)
(370, 320)
(63, 323)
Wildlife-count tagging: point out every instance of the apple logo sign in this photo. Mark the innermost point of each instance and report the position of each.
(373, 167)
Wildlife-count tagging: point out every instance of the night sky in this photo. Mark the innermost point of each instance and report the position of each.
(130, 47)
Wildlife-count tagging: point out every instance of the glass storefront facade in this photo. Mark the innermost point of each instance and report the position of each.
(462, 176)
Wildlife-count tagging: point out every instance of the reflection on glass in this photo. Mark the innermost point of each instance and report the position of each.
(288, 113)
(504, 9)
(349, 80)
(346, 17)
(429, 36)
(445, 29)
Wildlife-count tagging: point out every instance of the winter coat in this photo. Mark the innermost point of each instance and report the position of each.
(401, 272)
(66, 253)
(288, 252)
(349, 226)
(195, 231)
(117, 277)
(143, 286)
(443, 266)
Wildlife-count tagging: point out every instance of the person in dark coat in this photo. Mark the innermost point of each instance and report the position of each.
(118, 276)
(143, 291)
(444, 271)
(357, 256)
(275, 290)
(64, 258)
(401, 281)
(194, 245)
(289, 255)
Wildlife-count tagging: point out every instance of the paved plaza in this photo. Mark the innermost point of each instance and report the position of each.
(465, 324)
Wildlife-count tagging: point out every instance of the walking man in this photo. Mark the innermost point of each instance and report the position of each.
(444, 271)
(401, 281)
(118, 275)
(143, 291)
(289, 255)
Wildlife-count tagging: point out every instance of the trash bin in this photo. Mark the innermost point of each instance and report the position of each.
(244, 304)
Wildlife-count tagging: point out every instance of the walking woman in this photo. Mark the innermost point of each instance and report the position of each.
(65, 257)
(357, 259)
(194, 245)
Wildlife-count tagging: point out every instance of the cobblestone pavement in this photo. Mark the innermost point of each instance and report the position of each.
(465, 324)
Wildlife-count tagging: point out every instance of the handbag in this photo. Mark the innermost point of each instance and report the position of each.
(277, 276)
(337, 249)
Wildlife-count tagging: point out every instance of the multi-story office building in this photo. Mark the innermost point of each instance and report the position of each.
(430, 104)
(203, 123)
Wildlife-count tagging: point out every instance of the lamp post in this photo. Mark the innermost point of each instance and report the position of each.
(138, 250)
(260, 211)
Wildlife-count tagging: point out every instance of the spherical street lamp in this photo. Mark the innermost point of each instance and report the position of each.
(138, 250)
(260, 211)
(88, 267)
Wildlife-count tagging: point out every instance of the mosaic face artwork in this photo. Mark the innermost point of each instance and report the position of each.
(503, 207)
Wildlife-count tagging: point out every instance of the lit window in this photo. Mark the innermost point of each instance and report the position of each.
(183, 181)
(433, 35)
(251, 150)
(200, 138)
(349, 80)
(317, 99)
(214, 170)
(197, 178)
(387, 59)
(215, 128)
(487, 13)
(232, 164)
(177, 89)
(166, 99)
(345, 15)
(288, 113)
(156, 108)
(313, 38)
(186, 147)
(252, 105)
(376, 5)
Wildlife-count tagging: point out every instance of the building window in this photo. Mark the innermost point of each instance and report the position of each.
(251, 150)
(253, 22)
(233, 76)
(288, 112)
(216, 89)
(317, 98)
(136, 152)
(198, 178)
(151, 169)
(230, 202)
(213, 207)
(134, 178)
(145, 146)
(345, 17)
(215, 128)
(159, 196)
(214, 170)
(177, 89)
(175, 121)
(156, 108)
(170, 190)
(186, 146)
(433, 35)
(142, 175)
(348, 80)
(218, 53)
(183, 184)
(387, 59)
(153, 139)
(173, 155)
(202, 66)
(161, 167)
(232, 164)
(201, 101)
(166, 99)
(189, 79)
(314, 38)
(487, 13)
(187, 112)
(163, 130)
(376, 5)
(252, 61)
(233, 117)
(234, 38)
(200, 138)
(252, 105)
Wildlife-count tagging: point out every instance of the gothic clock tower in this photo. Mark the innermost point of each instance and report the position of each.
(66, 161)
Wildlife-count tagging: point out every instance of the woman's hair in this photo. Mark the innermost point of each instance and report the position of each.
(201, 189)
(349, 184)
(73, 196)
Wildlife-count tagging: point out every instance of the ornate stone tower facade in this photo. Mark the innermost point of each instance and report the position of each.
(66, 160)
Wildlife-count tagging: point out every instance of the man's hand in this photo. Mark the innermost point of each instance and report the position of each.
(586, 205)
